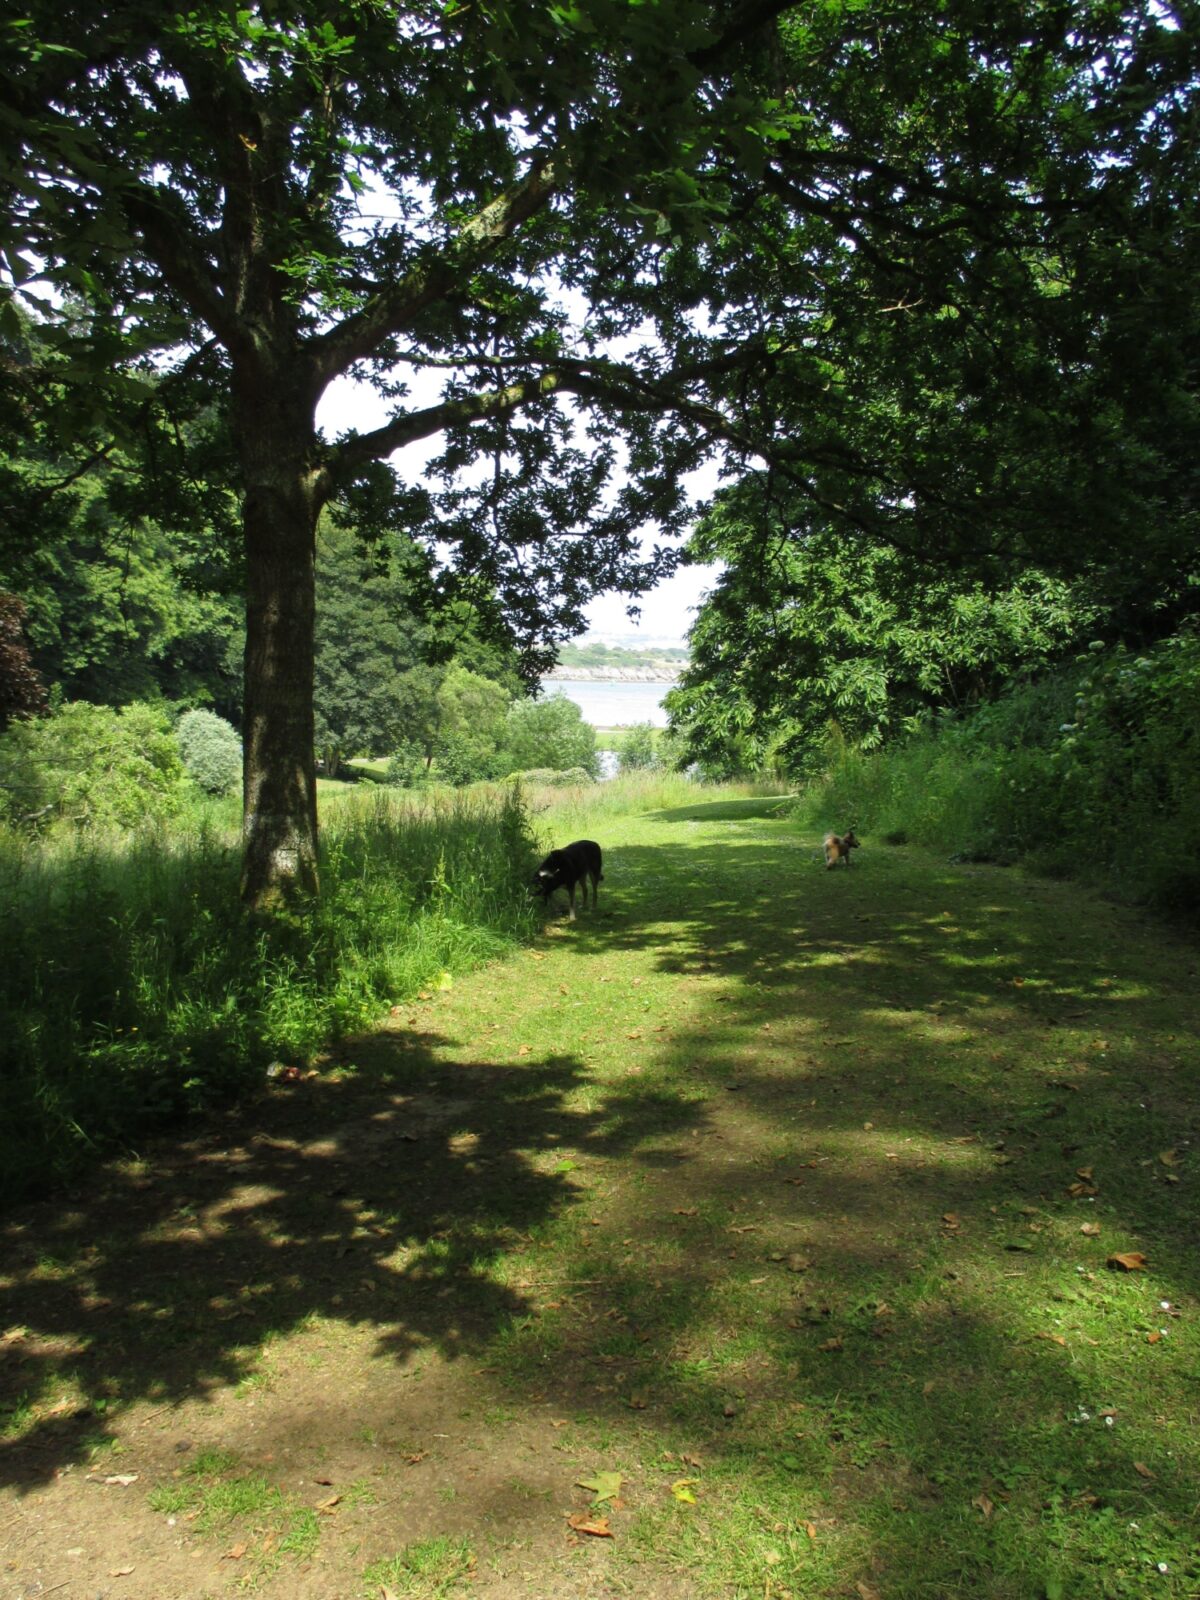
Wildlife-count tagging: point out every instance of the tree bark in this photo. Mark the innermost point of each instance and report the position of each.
(282, 503)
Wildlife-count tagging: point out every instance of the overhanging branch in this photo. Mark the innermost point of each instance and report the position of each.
(394, 308)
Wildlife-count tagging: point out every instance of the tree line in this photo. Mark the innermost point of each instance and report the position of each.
(923, 278)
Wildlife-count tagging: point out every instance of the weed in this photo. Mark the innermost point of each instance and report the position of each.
(430, 1569)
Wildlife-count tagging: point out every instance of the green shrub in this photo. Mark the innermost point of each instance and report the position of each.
(1094, 772)
(547, 733)
(549, 778)
(637, 751)
(210, 750)
(407, 767)
(92, 766)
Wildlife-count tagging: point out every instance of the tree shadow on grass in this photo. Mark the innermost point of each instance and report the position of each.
(918, 1088)
(380, 1199)
(891, 1076)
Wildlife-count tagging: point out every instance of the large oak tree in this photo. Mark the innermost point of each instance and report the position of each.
(855, 243)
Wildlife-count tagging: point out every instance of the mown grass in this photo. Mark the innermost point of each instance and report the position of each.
(951, 1095)
(267, 1525)
(788, 1196)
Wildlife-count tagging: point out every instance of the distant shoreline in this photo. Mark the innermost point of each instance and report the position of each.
(667, 672)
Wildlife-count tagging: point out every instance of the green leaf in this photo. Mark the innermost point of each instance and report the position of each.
(604, 1486)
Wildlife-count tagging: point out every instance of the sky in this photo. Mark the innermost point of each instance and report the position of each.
(667, 611)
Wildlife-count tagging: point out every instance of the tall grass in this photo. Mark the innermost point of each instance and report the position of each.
(1093, 772)
(561, 814)
(133, 991)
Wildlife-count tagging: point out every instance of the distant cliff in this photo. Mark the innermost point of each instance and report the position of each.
(650, 672)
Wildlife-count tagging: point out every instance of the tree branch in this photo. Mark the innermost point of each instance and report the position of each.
(173, 251)
(395, 307)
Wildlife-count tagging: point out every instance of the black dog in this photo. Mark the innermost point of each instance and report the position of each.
(573, 866)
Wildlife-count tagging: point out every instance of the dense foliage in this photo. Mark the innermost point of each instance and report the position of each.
(639, 750)
(389, 680)
(1092, 771)
(801, 634)
(130, 586)
(92, 767)
(547, 733)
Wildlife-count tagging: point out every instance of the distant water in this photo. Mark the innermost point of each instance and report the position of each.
(613, 705)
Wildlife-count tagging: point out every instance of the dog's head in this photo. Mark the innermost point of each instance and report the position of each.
(548, 877)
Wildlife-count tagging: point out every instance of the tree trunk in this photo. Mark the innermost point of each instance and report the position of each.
(279, 815)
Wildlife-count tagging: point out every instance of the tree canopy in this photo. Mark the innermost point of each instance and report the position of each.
(931, 266)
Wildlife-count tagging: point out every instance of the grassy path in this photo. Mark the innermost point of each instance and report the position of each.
(776, 1203)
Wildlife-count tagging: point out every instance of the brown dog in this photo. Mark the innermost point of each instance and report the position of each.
(838, 847)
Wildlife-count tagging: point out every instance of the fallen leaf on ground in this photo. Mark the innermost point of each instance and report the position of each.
(1169, 1158)
(119, 1572)
(237, 1551)
(864, 1590)
(1141, 1467)
(1127, 1260)
(810, 1529)
(982, 1503)
(123, 1478)
(831, 1344)
(682, 1490)
(328, 1503)
(604, 1486)
(637, 1401)
(597, 1526)
(1154, 1337)
(798, 1263)
(1090, 1228)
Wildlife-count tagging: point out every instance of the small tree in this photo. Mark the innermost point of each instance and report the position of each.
(548, 733)
(638, 749)
(210, 750)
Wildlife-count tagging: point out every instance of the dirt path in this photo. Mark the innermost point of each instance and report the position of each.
(786, 1196)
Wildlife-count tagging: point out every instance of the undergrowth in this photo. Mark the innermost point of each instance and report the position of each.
(134, 991)
(1091, 773)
